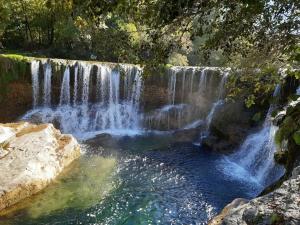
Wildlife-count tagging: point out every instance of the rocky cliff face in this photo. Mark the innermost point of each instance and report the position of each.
(31, 156)
(230, 125)
(279, 207)
(15, 88)
(279, 204)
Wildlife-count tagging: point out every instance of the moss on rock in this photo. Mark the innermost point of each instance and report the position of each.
(296, 137)
(12, 68)
(288, 138)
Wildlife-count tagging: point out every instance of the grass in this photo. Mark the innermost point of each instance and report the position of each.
(15, 57)
(20, 53)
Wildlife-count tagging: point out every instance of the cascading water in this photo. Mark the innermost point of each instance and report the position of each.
(165, 114)
(221, 90)
(256, 155)
(298, 91)
(47, 84)
(75, 85)
(172, 86)
(187, 104)
(222, 85)
(183, 86)
(218, 103)
(65, 89)
(203, 80)
(95, 103)
(35, 65)
(108, 113)
(192, 80)
(85, 83)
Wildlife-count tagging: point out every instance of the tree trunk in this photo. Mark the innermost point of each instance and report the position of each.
(27, 25)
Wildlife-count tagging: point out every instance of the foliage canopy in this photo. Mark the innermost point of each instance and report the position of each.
(240, 34)
(205, 31)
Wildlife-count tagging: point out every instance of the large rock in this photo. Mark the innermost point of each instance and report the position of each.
(230, 126)
(280, 207)
(32, 157)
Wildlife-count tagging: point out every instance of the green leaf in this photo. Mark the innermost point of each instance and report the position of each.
(250, 101)
(296, 137)
(257, 117)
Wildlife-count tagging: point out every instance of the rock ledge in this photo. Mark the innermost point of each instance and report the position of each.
(31, 157)
(280, 207)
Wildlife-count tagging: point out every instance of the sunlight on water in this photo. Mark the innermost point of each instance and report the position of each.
(134, 180)
(81, 186)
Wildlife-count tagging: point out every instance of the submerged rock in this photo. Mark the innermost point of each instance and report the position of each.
(188, 135)
(35, 156)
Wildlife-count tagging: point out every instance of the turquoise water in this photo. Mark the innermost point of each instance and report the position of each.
(135, 180)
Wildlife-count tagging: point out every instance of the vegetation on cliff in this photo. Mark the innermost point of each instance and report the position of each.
(288, 138)
(239, 34)
(12, 68)
(194, 32)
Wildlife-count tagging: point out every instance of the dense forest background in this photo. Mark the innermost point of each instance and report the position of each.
(240, 34)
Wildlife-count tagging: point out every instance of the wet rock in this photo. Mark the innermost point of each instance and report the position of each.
(188, 135)
(230, 208)
(37, 154)
(280, 207)
(103, 140)
(231, 124)
(16, 102)
(279, 118)
(281, 157)
(216, 144)
(296, 172)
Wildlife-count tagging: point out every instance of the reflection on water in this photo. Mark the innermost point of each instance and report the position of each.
(134, 180)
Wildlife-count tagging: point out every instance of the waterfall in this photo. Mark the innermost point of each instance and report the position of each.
(114, 118)
(98, 84)
(221, 90)
(47, 84)
(298, 91)
(172, 86)
(193, 99)
(128, 80)
(192, 80)
(162, 117)
(75, 85)
(183, 86)
(108, 113)
(106, 98)
(102, 83)
(86, 83)
(136, 89)
(65, 88)
(256, 154)
(211, 114)
(203, 80)
(222, 85)
(215, 106)
(35, 66)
